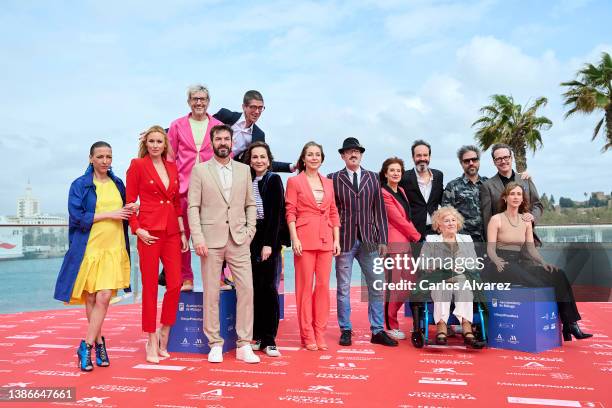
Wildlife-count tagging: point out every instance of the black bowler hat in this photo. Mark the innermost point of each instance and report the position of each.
(351, 143)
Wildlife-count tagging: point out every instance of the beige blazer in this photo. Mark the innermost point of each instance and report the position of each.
(212, 218)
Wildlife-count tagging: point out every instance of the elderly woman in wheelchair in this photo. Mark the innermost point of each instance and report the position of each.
(449, 267)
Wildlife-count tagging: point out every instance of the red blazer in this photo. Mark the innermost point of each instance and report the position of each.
(401, 229)
(314, 224)
(159, 207)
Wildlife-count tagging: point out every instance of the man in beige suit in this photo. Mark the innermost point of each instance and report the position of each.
(222, 222)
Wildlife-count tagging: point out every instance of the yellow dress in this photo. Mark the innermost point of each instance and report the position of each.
(106, 264)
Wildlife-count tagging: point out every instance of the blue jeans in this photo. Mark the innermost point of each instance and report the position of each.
(344, 267)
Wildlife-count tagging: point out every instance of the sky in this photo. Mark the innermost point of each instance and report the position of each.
(386, 72)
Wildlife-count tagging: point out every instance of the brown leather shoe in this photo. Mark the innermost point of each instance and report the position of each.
(441, 333)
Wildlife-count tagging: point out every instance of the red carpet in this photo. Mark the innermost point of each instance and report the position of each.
(37, 349)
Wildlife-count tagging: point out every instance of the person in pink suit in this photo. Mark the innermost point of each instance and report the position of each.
(190, 144)
(401, 232)
(314, 227)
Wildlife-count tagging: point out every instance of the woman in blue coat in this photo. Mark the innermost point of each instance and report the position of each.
(97, 262)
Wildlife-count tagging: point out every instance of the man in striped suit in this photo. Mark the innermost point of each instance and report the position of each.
(363, 235)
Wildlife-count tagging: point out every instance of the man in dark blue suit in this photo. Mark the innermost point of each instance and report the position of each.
(245, 128)
(363, 236)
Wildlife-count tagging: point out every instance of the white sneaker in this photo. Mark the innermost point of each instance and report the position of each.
(245, 353)
(272, 351)
(397, 333)
(256, 346)
(215, 355)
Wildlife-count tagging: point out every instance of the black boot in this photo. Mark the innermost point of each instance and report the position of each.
(572, 329)
(345, 338)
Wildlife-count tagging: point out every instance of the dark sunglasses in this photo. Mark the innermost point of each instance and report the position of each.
(471, 159)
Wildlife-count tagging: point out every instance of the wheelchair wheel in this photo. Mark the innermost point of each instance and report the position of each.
(418, 339)
(478, 332)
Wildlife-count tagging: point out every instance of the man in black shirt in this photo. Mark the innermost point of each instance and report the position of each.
(423, 187)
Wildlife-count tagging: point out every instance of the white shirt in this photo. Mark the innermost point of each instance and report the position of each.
(242, 135)
(425, 189)
(225, 176)
(350, 174)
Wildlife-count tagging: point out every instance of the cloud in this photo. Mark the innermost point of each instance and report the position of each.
(494, 66)
(565, 7)
(423, 22)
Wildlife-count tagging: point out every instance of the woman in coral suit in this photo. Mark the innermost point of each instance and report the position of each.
(314, 227)
(161, 234)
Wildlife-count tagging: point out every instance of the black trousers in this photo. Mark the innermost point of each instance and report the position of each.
(266, 307)
(522, 272)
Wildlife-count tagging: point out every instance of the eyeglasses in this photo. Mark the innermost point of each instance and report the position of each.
(502, 159)
(196, 100)
(470, 160)
(256, 107)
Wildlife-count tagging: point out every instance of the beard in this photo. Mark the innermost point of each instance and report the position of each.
(222, 151)
(422, 165)
(472, 171)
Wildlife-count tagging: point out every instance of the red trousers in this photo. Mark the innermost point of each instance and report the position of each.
(167, 249)
(312, 305)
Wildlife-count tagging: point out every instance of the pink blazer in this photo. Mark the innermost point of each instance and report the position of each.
(401, 229)
(314, 224)
(183, 151)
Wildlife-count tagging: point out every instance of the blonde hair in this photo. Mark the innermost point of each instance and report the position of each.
(142, 147)
(439, 214)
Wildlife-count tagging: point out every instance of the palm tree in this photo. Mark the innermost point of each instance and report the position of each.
(503, 121)
(593, 91)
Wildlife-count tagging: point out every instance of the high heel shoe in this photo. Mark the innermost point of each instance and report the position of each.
(162, 351)
(101, 354)
(441, 333)
(84, 355)
(151, 355)
(573, 329)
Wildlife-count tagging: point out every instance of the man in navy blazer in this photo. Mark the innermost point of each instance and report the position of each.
(363, 235)
(423, 187)
(245, 128)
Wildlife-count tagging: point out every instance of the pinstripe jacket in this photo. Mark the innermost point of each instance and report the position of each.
(362, 210)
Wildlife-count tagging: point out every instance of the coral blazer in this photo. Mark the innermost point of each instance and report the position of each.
(159, 206)
(401, 229)
(184, 149)
(314, 223)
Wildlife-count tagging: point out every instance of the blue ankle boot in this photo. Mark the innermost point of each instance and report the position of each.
(101, 354)
(84, 355)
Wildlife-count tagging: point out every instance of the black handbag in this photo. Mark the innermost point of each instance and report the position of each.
(161, 279)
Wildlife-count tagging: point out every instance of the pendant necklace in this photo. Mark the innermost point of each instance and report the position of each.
(517, 220)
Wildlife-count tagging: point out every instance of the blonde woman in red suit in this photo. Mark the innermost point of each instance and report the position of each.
(401, 233)
(314, 227)
(161, 234)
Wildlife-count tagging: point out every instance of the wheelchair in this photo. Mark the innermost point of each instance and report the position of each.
(422, 317)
